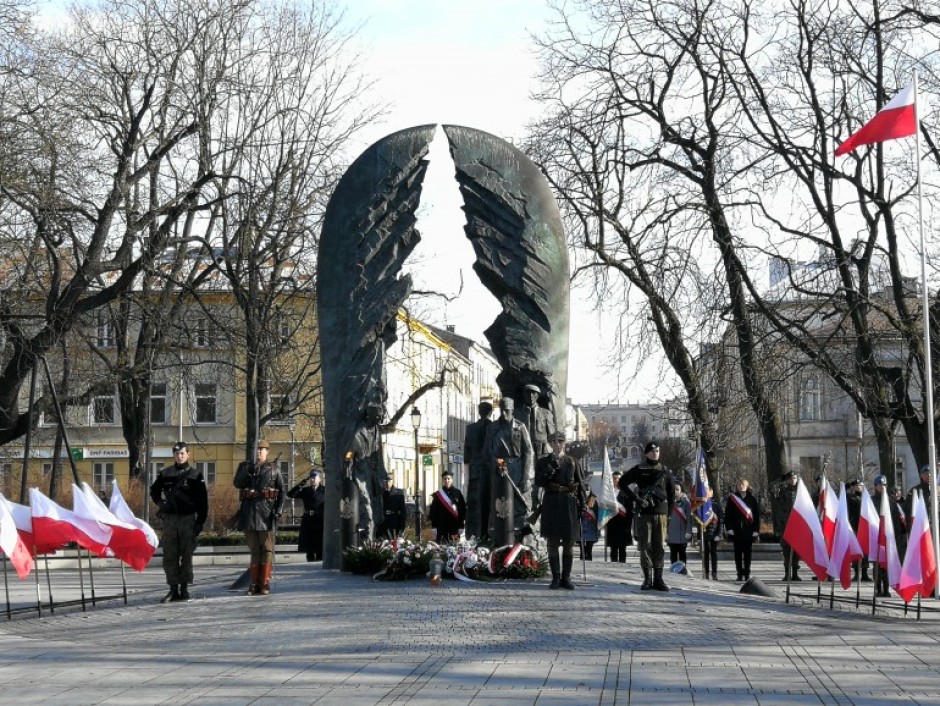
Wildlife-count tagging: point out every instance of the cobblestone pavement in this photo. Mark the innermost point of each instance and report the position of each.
(328, 638)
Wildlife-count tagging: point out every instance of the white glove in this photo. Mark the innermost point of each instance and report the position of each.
(730, 533)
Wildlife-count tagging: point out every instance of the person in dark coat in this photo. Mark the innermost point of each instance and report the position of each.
(924, 487)
(782, 499)
(179, 491)
(679, 527)
(711, 534)
(650, 486)
(853, 500)
(448, 510)
(564, 493)
(478, 480)
(311, 491)
(261, 490)
(618, 531)
(900, 534)
(393, 504)
(742, 525)
(589, 530)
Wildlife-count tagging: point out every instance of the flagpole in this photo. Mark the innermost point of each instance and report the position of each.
(928, 363)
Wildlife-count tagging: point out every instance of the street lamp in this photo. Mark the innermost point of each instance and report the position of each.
(416, 423)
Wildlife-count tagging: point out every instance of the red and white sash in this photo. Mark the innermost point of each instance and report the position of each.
(621, 510)
(590, 515)
(743, 507)
(448, 503)
(679, 512)
(511, 556)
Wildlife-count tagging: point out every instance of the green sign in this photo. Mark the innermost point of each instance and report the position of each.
(428, 460)
(78, 454)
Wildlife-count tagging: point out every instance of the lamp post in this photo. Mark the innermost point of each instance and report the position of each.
(416, 423)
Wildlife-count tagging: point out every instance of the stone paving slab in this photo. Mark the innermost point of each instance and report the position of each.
(329, 638)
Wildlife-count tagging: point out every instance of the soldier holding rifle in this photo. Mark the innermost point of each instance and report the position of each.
(261, 491)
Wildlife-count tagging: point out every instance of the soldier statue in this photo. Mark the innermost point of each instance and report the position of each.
(369, 470)
(478, 484)
(509, 450)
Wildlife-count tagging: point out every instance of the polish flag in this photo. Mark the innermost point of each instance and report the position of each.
(24, 522)
(887, 544)
(897, 119)
(127, 543)
(868, 527)
(123, 511)
(54, 527)
(919, 571)
(845, 547)
(804, 533)
(11, 543)
(827, 513)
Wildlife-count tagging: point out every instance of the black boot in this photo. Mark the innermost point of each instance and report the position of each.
(647, 582)
(556, 572)
(184, 592)
(566, 562)
(173, 595)
(658, 583)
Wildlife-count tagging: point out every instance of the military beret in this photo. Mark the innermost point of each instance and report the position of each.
(650, 447)
(263, 444)
(180, 446)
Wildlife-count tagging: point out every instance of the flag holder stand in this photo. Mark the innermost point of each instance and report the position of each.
(81, 577)
(874, 594)
(6, 588)
(123, 583)
(832, 593)
(858, 585)
(91, 575)
(788, 582)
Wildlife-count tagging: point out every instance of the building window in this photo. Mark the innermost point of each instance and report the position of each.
(203, 336)
(104, 330)
(284, 332)
(285, 471)
(102, 410)
(810, 399)
(811, 466)
(46, 468)
(205, 403)
(155, 468)
(102, 475)
(207, 468)
(278, 406)
(158, 403)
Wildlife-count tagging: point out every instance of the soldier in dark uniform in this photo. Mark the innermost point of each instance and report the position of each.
(783, 496)
(619, 528)
(478, 483)
(393, 502)
(853, 501)
(564, 495)
(311, 491)
(448, 510)
(652, 490)
(742, 525)
(262, 497)
(900, 535)
(180, 493)
(507, 440)
(924, 488)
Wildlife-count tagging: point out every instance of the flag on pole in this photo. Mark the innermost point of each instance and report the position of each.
(827, 513)
(54, 527)
(607, 500)
(887, 544)
(804, 533)
(24, 522)
(845, 548)
(701, 499)
(11, 543)
(869, 525)
(919, 571)
(127, 543)
(897, 119)
(123, 511)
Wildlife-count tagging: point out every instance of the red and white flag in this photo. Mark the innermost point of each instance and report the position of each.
(123, 511)
(24, 522)
(804, 533)
(897, 119)
(868, 527)
(827, 513)
(11, 543)
(887, 544)
(54, 527)
(919, 571)
(845, 547)
(127, 542)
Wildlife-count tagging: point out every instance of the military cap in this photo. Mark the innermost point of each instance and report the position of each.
(180, 446)
(532, 388)
(925, 468)
(789, 474)
(557, 436)
(389, 475)
(263, 444)
(650, 447)
(853, 481)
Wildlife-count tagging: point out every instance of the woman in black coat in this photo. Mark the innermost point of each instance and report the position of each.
(742, 525)
(311, 491)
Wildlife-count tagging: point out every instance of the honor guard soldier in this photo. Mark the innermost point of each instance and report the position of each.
(179, 492)
(393, 504)
(448, 510)
(562, 480)
(313, 495)
(651, 488)
(262, 496)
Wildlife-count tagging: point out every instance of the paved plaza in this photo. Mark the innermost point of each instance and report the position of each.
(324, 637)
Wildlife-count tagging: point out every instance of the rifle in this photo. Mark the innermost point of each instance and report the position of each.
(501, 465)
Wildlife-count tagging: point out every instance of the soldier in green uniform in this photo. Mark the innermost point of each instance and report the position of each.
(262, 496)
(179, 491)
